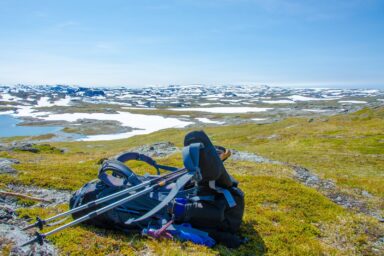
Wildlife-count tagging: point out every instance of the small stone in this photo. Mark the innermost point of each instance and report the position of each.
(366, 193)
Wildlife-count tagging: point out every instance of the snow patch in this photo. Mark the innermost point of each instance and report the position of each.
(278, 101)
(353, 101)
(44, 102)
(63, 102)
(8, 112)
(208, 121)
(224, 109)
(8, 97)
(143, 123)
(305, 98)
(315, 110)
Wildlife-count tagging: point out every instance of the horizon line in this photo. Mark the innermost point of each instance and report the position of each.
(250, 84)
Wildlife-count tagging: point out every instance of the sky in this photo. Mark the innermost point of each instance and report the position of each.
(308, 43)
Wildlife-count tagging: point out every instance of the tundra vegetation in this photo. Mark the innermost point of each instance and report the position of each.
(282, 215)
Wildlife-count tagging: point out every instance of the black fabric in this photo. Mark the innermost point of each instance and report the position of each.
(216, 213)
(211, 166)
(216, 217)
(230, 240)
(115, 218)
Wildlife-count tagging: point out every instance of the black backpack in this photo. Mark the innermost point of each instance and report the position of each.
(214, 203)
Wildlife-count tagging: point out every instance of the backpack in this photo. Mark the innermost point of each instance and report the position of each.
(213, 203)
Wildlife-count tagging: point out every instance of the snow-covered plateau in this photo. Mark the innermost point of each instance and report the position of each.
(145, 110)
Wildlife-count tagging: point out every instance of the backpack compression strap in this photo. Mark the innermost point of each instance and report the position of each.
(191, 162)
(191, 155)
(127, 156)
(227, 194)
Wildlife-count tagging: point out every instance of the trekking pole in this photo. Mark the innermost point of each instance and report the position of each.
(40, 237)
(41, 222)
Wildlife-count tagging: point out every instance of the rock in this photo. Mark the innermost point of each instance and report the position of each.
(6, 165)
(329, 189)
(34, 148)
(10, 225)
(378, 246)
(6, 213)
(29, 147)
(273, 136)
(55, 196)
(366, 193)
(159, 149)
(245, 156)
(17, 237)
(312, 180)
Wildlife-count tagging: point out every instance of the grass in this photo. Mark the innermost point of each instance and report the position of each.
(282, 217)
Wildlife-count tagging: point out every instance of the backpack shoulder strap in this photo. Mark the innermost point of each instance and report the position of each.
(191, 158)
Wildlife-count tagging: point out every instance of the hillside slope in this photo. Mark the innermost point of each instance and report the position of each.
(335, 208)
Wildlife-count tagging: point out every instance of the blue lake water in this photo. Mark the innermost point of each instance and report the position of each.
(9, 128)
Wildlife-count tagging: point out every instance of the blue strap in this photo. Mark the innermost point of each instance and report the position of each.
(126, 156)
(167, 168)
(228, 196)
(191, 158)
(186, 232)
(188, 227)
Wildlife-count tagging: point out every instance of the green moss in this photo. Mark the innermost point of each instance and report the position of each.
(25, 202)
(46, 148)
(4, 154)
(44, 136)
(282, 217)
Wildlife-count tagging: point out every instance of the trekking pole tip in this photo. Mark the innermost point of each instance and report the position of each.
(39, 238)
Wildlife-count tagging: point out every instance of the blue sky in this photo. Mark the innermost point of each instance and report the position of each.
(137, 43)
